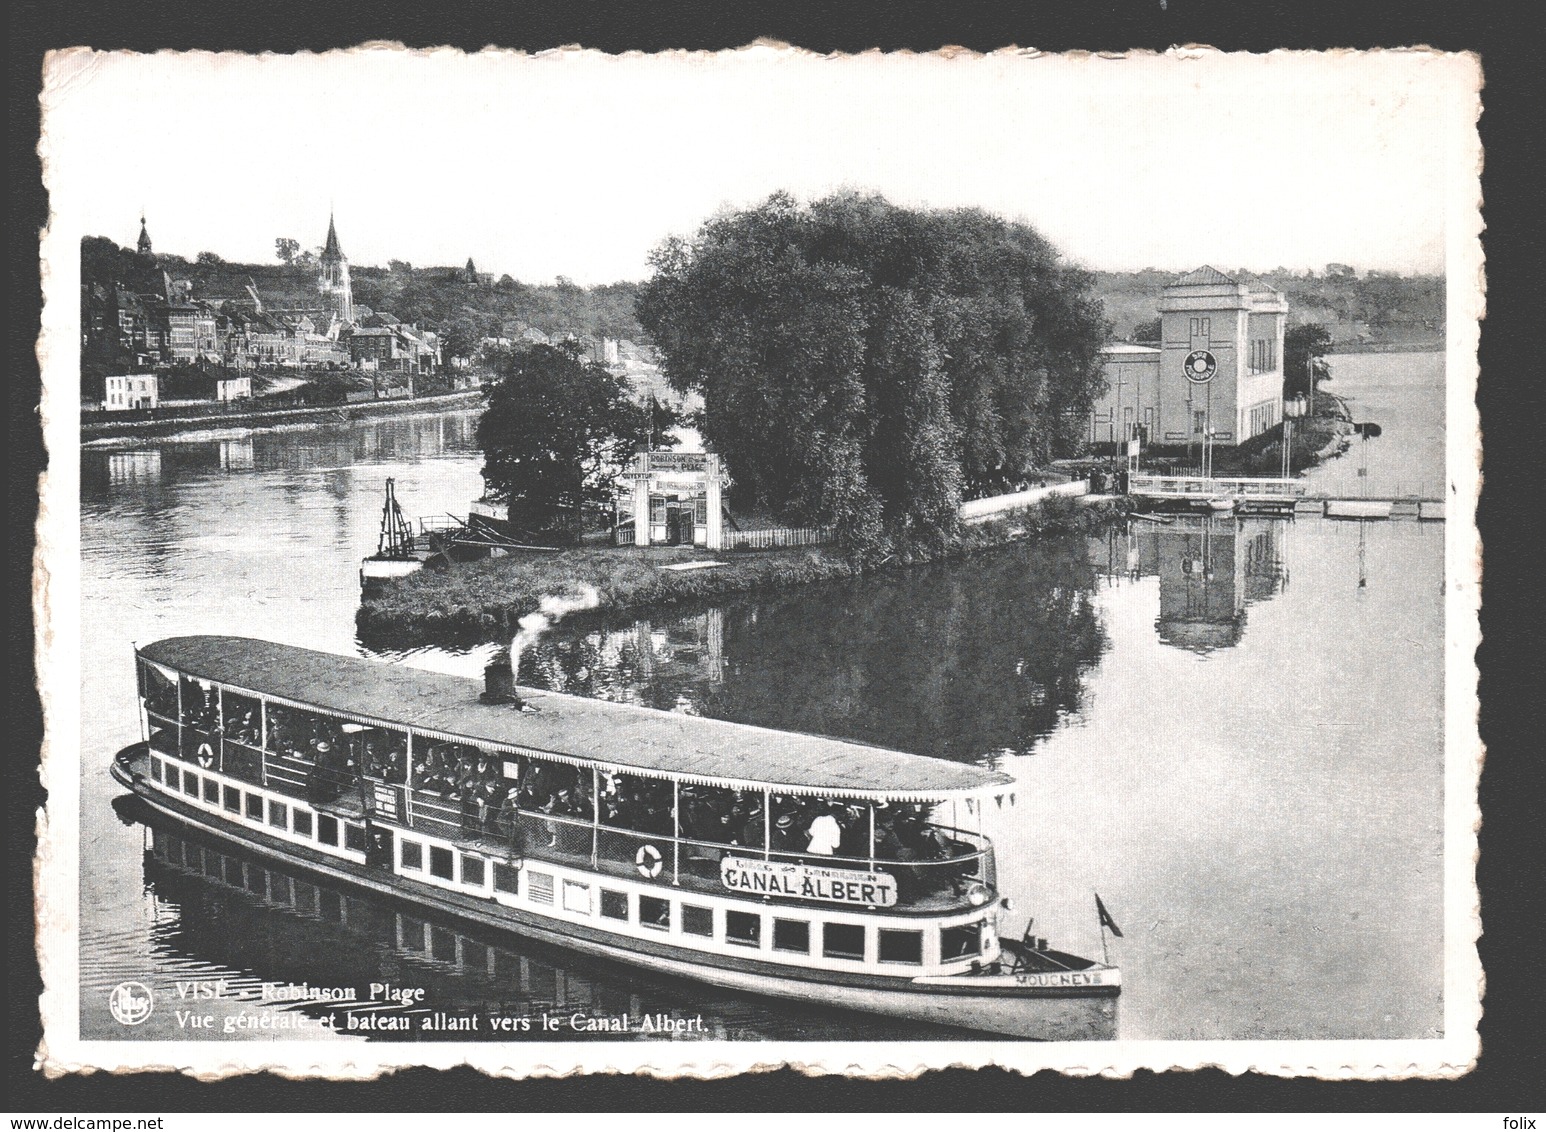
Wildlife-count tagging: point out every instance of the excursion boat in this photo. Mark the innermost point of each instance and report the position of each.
(765, 862)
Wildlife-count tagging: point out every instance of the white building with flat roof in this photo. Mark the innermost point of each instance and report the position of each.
(1211, 326)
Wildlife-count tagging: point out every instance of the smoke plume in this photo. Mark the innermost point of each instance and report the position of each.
(550, 609)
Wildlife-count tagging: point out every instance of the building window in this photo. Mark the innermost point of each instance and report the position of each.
(473, 871)
(255, 807)
(901, 946)
(744, 928)
(698, 921)
(278, 814)
(327, 829)
(440, 862)
(233, 799)
(842, 941)
(654, 913)
(792, 935)
(614, 905)
(577, 897)
(411, 855)
(961, 941)
(301, 822)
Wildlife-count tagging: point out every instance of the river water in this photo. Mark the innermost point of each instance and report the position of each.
(1230, 729)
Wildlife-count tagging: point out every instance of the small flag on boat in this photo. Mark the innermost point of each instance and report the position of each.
(1105, 917)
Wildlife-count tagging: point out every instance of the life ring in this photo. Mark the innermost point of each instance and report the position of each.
(649, 861)
(206, 755)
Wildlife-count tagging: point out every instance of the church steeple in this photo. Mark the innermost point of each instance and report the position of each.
(331, 250)
(333, 275)
(144, 244)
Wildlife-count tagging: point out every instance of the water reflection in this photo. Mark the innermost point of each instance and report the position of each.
(123, 465)
(220, 909)
(966, 664)
(1210, 569)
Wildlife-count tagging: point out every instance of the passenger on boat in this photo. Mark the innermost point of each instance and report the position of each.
(825, 833)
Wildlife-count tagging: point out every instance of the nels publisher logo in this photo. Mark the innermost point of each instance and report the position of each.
(131, 1003)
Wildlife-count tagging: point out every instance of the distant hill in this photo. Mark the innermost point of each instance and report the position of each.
(428, 297)
(1374, 308)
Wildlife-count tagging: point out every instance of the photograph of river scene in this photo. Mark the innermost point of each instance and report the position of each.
(1273, 858)
(870, 566)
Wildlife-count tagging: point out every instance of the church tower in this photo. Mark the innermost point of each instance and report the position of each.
(144, 244)
(333, 276)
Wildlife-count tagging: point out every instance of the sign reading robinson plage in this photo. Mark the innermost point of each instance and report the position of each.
(808, 882)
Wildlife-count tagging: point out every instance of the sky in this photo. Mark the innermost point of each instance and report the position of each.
(578, 164)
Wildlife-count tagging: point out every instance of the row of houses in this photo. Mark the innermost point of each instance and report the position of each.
(175, 328)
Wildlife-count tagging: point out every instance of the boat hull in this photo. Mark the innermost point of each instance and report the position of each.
(1038, 1007)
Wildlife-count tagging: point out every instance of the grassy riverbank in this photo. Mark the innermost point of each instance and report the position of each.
(490, 596)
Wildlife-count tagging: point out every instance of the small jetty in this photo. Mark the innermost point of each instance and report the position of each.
(1257, 494)
(438, 541)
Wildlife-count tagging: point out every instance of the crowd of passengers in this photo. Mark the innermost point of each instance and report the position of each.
(475, 783)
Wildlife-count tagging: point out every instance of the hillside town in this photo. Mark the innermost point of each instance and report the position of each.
(150, 340)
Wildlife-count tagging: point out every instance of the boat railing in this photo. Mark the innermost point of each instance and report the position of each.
(634, 854)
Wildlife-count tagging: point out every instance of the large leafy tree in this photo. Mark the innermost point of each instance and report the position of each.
(557, 431)
(863, 365)
(1304, 349)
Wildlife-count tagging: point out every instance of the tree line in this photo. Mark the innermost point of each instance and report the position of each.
(864, 365)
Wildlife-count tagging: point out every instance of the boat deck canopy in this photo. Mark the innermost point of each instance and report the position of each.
(573, 729)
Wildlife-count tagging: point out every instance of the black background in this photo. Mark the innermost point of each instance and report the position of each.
(1512, 1068)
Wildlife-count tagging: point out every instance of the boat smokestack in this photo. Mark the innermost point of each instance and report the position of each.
(499, 681)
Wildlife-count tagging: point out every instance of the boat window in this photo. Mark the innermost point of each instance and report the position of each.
(255, 807)
(278, 814)
(190, 783)
(242, 719)
(540, 887)
(631, 801)
(410, 933)
(506, 879)
(721, 816)
(298, 734)
(842, 941)
(159, 691)
(473, 870)
(233, 799)
(382, 752)
(614, 905)
(412, 855)
(440, 862)
(327, 829)
(960, 941)
(354, 837)
(576, 897)
(900, 946)
(302, 822)
(698, 921)
(654, 913)
(211, 791)
(743, 927)
(792, 935)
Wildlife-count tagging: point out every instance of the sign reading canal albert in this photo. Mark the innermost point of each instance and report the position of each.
(808, 882)
(1201, 365)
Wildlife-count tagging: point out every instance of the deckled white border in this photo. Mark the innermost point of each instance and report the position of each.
(57, 608)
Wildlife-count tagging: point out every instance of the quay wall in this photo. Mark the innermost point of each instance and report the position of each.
(981, 510)
(166, 425)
